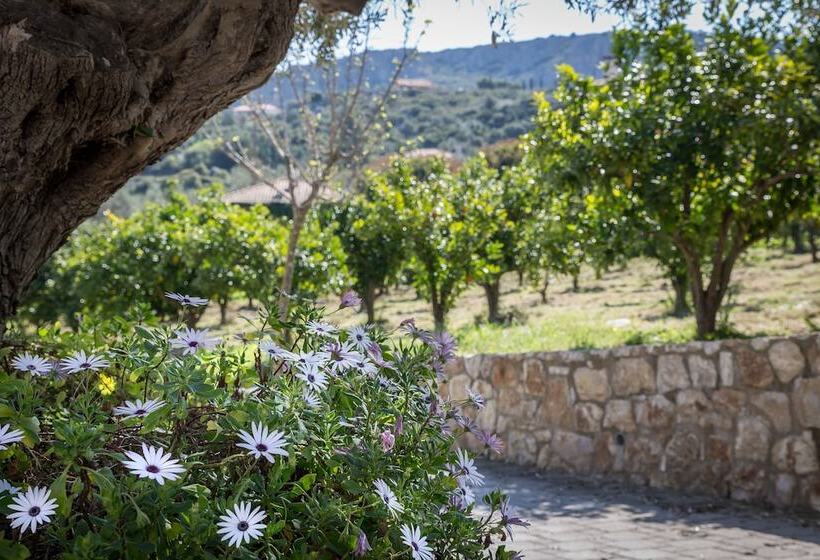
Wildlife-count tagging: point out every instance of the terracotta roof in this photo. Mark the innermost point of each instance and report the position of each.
(275, 193)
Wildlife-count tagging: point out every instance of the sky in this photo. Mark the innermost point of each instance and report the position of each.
(466, 23)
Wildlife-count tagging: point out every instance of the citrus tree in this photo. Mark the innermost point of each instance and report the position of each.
(707, 150)
(373, 238)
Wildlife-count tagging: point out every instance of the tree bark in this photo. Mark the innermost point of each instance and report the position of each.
(680, 285)
(223, 312)
(296, 225)
(493, 293)
(369, 301)
(796, 232)
(544, 287)
(92, 91)
(813, 230)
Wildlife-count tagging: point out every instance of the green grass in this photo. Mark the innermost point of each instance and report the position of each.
(774, 294)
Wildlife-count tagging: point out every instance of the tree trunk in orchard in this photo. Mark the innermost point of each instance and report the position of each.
(680, 285)
(814, 229)
(369, 301)
(439, 313)
(92, 91)
(544, 287)
(796, 231)
(493, 293)
(286, 288)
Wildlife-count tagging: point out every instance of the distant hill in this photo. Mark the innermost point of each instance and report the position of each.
(530, 64)
(455, 100)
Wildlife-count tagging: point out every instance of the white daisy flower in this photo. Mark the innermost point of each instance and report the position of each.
(366, 367)
(7, 436)
(388, 497)
(358, 335)
(466, 470)
(316, 380)
(476, 399)
(192, 340)
(185, 300)
(464, 495)
(31, 508)
(311, 399)
(154, 463)
(82, 362)
(342, 356)
(7, 487)
(321, 329)
(411, 536)
(241, 524)
(138, 409)
(262, 442)
(307, 360)
(274, 351)
(32, 364)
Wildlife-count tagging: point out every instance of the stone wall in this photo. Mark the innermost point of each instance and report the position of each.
(737, 418)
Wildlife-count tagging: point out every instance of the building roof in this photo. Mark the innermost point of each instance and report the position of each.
(275, 192)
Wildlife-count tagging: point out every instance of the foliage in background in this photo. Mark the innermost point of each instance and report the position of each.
(381, 420)
(218, 250)
(373, 237)
(708, 151)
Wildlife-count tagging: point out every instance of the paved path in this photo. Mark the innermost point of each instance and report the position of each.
(581, 519)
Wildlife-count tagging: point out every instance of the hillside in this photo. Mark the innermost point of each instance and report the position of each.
(469, 98)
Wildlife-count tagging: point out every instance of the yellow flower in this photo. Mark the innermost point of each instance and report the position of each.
(107, 384)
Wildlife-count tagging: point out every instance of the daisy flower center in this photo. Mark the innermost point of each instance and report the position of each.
(85, 365)
(415, 547)
(139, 411)
(386, 498)
(262, 447)
(242, 526)
(152, 469)
(31, 367)
(311, 377)
(193, 344)
(359, 337)
(34, 511)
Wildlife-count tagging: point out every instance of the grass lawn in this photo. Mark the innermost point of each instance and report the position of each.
(773, 294)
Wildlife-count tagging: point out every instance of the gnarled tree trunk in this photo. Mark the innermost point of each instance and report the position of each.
(92, 91)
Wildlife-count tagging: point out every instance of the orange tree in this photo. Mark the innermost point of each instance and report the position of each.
(706, 151)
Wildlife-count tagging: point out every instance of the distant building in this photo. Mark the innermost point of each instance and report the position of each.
(452, 160)
(275, 196)
(266, 107)
(418, 84)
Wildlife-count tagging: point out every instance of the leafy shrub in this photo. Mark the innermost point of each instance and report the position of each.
(160, 442)
(209, 247)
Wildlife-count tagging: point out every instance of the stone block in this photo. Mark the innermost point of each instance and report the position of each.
(591, 384)
(619, 416)
(655, 412)
(457, 386)
(754, 368)
(727, 369)
(753, 439)
(691, 405)
(806, 399)
(809, 491)
(747, 482)
(508, 400)
(574, 450)
(642, 454)
(536, 380)
(521, 447)
(731, 400)
(556, 407)
(812, 348)
(607, 454)
(559, 370)
(795, 454)
(783, 490)
(505, 372)
(672, 373)
(474, 366)
(702, 372)
(775, 407)
(682, 457)
(588, 417)
(631, 376)
(787, 360)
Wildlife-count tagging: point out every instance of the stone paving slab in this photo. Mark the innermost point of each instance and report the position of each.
(577, 518)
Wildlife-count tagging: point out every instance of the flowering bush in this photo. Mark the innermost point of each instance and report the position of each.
(142, 440)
